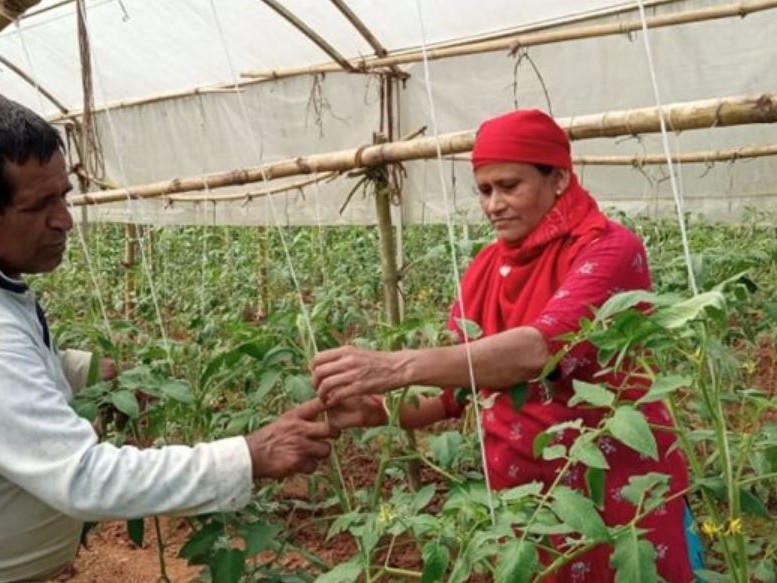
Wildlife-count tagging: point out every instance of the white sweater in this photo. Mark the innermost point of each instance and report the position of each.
(53, 472)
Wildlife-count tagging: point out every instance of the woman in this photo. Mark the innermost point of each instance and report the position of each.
(556, 257)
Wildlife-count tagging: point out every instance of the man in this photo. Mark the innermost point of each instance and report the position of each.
(53, 472)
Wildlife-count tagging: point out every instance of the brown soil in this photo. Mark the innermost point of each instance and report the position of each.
(110, 556)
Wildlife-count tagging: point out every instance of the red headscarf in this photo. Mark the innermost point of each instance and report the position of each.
(524, 135)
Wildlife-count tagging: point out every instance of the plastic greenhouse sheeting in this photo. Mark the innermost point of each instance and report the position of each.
(146, 47)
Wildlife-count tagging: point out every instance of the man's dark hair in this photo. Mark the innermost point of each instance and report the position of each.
(23, 134)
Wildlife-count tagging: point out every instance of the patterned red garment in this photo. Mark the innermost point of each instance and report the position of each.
(575, 259)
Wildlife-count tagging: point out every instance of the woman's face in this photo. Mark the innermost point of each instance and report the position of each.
(515, 196)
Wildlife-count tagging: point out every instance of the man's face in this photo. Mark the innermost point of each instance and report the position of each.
(34, 226)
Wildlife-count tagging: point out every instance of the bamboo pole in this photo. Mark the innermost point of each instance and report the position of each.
(721, 112)
(10, 10)
(529, 39)
(366, 33)
(210, 197)
(702, 157)
(323, 68)
(317, 39)
(32, 82)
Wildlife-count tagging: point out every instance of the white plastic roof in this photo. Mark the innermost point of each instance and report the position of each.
(146, 47)
(142, 48)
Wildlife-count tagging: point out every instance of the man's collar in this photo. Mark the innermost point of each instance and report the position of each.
(12, 285)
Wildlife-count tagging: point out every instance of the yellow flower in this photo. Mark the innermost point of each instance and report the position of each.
(386, 514)
(734, 526)
(710, 528)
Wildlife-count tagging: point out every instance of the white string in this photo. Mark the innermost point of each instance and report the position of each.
(256, 148)
(454, 256)
(71, 208)
(667, 152)
(131, 207)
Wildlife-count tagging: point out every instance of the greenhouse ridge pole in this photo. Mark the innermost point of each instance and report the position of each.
(331, 67)
(515, 42)
(721, 112)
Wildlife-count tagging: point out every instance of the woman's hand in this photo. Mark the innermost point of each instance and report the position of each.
(347, 371)
(363, 411)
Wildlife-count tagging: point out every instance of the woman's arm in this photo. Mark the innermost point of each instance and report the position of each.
(500, 360)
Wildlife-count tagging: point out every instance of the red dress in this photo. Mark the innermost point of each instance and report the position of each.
(575, 259)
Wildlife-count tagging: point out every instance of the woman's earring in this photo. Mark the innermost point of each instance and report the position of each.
(558, 192)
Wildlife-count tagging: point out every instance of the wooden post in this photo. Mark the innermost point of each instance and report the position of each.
(130, 248)
(388, 255)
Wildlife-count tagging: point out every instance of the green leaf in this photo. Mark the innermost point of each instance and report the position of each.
(228, 566)
(470, 329)
(518, 394)
(579, 512)
(517, 562)
(639, 486)
(554, 452)
(135, 530)
(342, 573)
(436, 559)
(86, 409)
(93, 375)
(177, 390)
(595, 395)
(126, 402)
(258, 537)
(267, 381)
(630, 427)
(663, 386)
(299, 388)
(520, 492)
(202, 541)
(586, 451)
(423, 497)
(679, 314)
(624, 301)
(634, 560)
(595, 479)
(747, 501)
(541, 441)
(445, 448)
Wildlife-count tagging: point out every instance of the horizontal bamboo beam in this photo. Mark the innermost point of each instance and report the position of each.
(193, 92)
(679, 117)
(703, 157)
(530, 39)
(246, 196)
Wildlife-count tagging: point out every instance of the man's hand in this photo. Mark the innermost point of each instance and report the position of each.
(347, 371)
(292, 443)
(363, 411)
(108, 370)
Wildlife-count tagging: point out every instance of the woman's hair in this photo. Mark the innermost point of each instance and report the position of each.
(23, 134)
